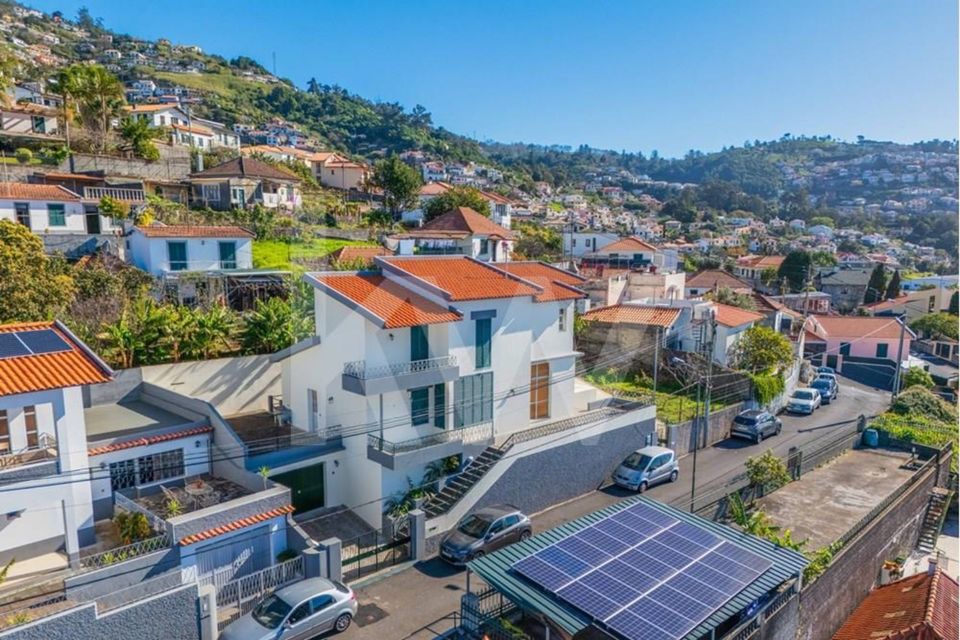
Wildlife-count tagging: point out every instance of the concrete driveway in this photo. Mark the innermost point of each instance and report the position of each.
(416, 603)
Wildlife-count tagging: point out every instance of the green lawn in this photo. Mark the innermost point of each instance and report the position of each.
(672, 407)
(279, 254)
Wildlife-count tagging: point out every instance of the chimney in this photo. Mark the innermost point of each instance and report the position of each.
(932, 567)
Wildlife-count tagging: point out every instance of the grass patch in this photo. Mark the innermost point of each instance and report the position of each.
(222, 84)
(673, 406)
(280, 254)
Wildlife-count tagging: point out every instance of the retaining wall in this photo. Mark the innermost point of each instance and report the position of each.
(680, 437)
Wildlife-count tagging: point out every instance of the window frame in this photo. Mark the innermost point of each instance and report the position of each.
(562, 319)
(31, 426)
(483, 339)
(540, 390)
(5, 432)
(420, 406)
(885, 348)
(56, 211)
(227, 264)
(178, 264)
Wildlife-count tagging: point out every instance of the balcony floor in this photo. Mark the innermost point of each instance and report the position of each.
(260, 431)
(156, 503)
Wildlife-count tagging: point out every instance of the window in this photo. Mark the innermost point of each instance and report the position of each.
(440, 406)
(419, 345)
(511, 521)
(844, 348)
(313, 400)
(496, 527)
(320, 603)
(30, 418)
(484, 247)
(420, 405)
(473, 400)
(177, 253)
(4, 432)
(22, 210)
(163, 121)
(573, 242)
(228, 255)
(39, 124)
(123, 475)
(932, 304)
(57, 216)
(210, 192)
(563, 319)
(882, 350)
(483, 331)
(299, 613)
(539, 390)
(153, 468)
(238, 195)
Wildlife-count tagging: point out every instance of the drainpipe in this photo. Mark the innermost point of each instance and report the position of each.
(381, 422)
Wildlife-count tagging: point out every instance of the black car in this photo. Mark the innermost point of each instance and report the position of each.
(755, 424)
(827, 387)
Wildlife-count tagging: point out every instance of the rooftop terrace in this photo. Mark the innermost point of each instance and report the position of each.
(112, 420)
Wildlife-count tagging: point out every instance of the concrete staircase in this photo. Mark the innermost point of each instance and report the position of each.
(933, 520)
(451, 494)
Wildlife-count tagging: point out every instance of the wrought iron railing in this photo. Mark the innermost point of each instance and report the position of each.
(475, 433)
(360, 370)
(126, 552)
(550, 428)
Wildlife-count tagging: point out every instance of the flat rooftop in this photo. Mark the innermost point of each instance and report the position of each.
(112, 420)
(827, 502)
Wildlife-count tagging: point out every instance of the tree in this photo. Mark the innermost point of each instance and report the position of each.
(138, 138)
(893, 288)
(100, 101)
(876, 286)
(725, 295)
(763, 349)
(69, 83)
(768, 276)
(954, 304)
(113, 208)
(936, 325)
(271, 326)
(453, 198)
(915, 376)
(795, 269)
(33, 286)
(537, 242)
(8, 71)
(399, 182)
(767, 471)
(23, 155)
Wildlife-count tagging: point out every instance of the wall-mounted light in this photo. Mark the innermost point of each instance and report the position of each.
(196, 443)
(390, 335)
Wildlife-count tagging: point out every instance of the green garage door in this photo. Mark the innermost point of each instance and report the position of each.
(306, 487)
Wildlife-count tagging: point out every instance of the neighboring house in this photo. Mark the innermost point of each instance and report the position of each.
(578, 243)
(244, 182)
(731, 323)
(46, 506)
(48, 208)
(913, 304)
(340, 173)
(635, 328)
(626, 253)
(777, 316)
(806, 302)
(445, 354)
(165, 249)
(193, 135)
(223, 136)
(708, 280)
(751, 268)
(501, 208)
(29, 120)
(159, 115)
(461, 231)
(921, 607)
(847, 287)
(353, 255)
(872, 344)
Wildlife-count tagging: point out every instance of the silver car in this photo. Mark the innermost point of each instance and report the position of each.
(646, 467)
(299, 611)
(483, 531)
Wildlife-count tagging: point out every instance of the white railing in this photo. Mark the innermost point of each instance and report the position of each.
(126, 552)
(128, 195)
(125, 503)
(475, 433)
(46, 449)
(236, 598)
(359, 369)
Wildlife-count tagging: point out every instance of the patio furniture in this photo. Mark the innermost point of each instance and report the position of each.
(210, 499)
(198, 490)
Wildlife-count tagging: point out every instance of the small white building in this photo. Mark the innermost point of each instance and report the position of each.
(731, 323)
(159, 115)
(580, 243)
(461, 231)
(47, 208)
(162, 250)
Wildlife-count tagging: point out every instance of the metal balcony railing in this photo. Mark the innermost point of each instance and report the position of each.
(362, 371)
(127, 195)
(473, 433)
(46, 449)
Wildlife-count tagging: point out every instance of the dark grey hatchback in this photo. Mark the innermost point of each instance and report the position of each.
(755, 424)
(484, 531)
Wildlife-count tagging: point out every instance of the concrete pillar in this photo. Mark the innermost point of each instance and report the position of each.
(418, 535)
(313, 563)
(332, 550)
(208, 612)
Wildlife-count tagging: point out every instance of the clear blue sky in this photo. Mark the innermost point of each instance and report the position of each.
(668, 75)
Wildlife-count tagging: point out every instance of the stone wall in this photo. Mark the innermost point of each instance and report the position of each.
(174, 164)
(77, 245)
(680, 437)
(173, 614)
(602, 342)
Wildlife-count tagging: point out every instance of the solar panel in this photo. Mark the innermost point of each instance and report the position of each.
(43, 341)
(11, 347)
(644, 573)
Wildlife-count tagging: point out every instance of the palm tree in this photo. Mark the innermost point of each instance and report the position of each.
(272, 326)
(138, 136)
(100, 101)
(214, 330)
(69, 84)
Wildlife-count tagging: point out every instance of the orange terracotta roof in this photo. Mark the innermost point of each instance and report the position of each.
(626, 245)
(150, 108)
(58, 175)
(236, 525)
(147, 440)
(860, 326)
(904, 609)
(25, 191)
(29, 107)
(460, 277)
(557, 284)
(434, 188)
(193, 129)
(716, 279)
(634, 314)
(384, 300)
(884, 305)
(461, 222)
(73, 368)
(730, 316)
(355, 253)
(194, 231)
(761, 262)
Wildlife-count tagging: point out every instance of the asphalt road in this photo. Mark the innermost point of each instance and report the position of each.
(416, 602)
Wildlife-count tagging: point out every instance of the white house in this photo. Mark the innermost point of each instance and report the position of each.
(46, 505)
(731, 322)
(439, 356)
(579, 243)
(461, 231)
(159, 115)
(164, 249)
(47, 208)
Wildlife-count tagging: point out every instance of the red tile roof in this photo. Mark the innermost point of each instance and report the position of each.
(557, 284)
(460, 223)
(761, 262)
(150, 108)
(194, 231)
(351, 254)
(905, 608)
(460, 277)
(716, 279)
(236, 525)
(860, 327)
(626, 245)
(634, 314)
(730, 316)
(147, 440)
(24, 191)
(196, 128)
(394, 305)
(885, 305)
(73, 368)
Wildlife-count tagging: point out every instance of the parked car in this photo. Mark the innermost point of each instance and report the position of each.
(755, 424)
(302, 610)
(484, 531)
(829, 370)
(646, 467)
(827, 374)
(804, 400)
(827, 387)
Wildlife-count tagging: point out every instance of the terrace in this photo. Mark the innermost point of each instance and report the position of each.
(271, 442)
(189, 495)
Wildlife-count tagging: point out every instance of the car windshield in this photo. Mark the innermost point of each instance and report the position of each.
(803, 395)
(747, 420)
(821, 383)
(271, 612)
(473, 526)
(637, 461)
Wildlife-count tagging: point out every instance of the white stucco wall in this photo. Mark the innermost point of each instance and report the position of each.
(40, 219)
(203, 254)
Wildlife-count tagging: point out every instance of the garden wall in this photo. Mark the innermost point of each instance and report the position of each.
(680, 437)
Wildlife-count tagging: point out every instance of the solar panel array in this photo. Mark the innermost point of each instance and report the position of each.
(31, 343)
(643, 573)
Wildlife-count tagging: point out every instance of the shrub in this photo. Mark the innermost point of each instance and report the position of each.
(23, 155)
(915, 376)
(767, 471)
(174, 508)
(917, 401)
(766, 386)
(286, 554)
(132, 526)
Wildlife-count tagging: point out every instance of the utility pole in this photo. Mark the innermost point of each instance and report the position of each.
(896, 375)
(656, 362)
(696, 441)
(806, 292)
(706, 410)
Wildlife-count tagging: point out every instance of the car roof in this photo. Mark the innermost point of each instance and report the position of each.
(496, 510)
(653, 451)
(751, 413)
(300, 591)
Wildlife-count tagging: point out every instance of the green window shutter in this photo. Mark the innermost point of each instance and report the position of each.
(420, 405)
(419, 346)
(440, 406)
(177, 254)
(483, 330)
(57, 215)
(228, 255)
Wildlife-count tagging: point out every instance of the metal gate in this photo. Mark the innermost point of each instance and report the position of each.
(238, 597)
(238, 557)
(377, 550)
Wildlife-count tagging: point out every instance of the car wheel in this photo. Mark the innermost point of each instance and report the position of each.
(674, 475)
(643, 487)
(777, 432)
(524, 536)
(343, 622)
(759, 437)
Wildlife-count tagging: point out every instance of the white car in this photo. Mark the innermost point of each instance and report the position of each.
(804, 401)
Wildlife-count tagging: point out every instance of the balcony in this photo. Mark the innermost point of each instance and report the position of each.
(125, 195)
(30, 462)
(270, 442)
(360, 378)
(426, 449)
